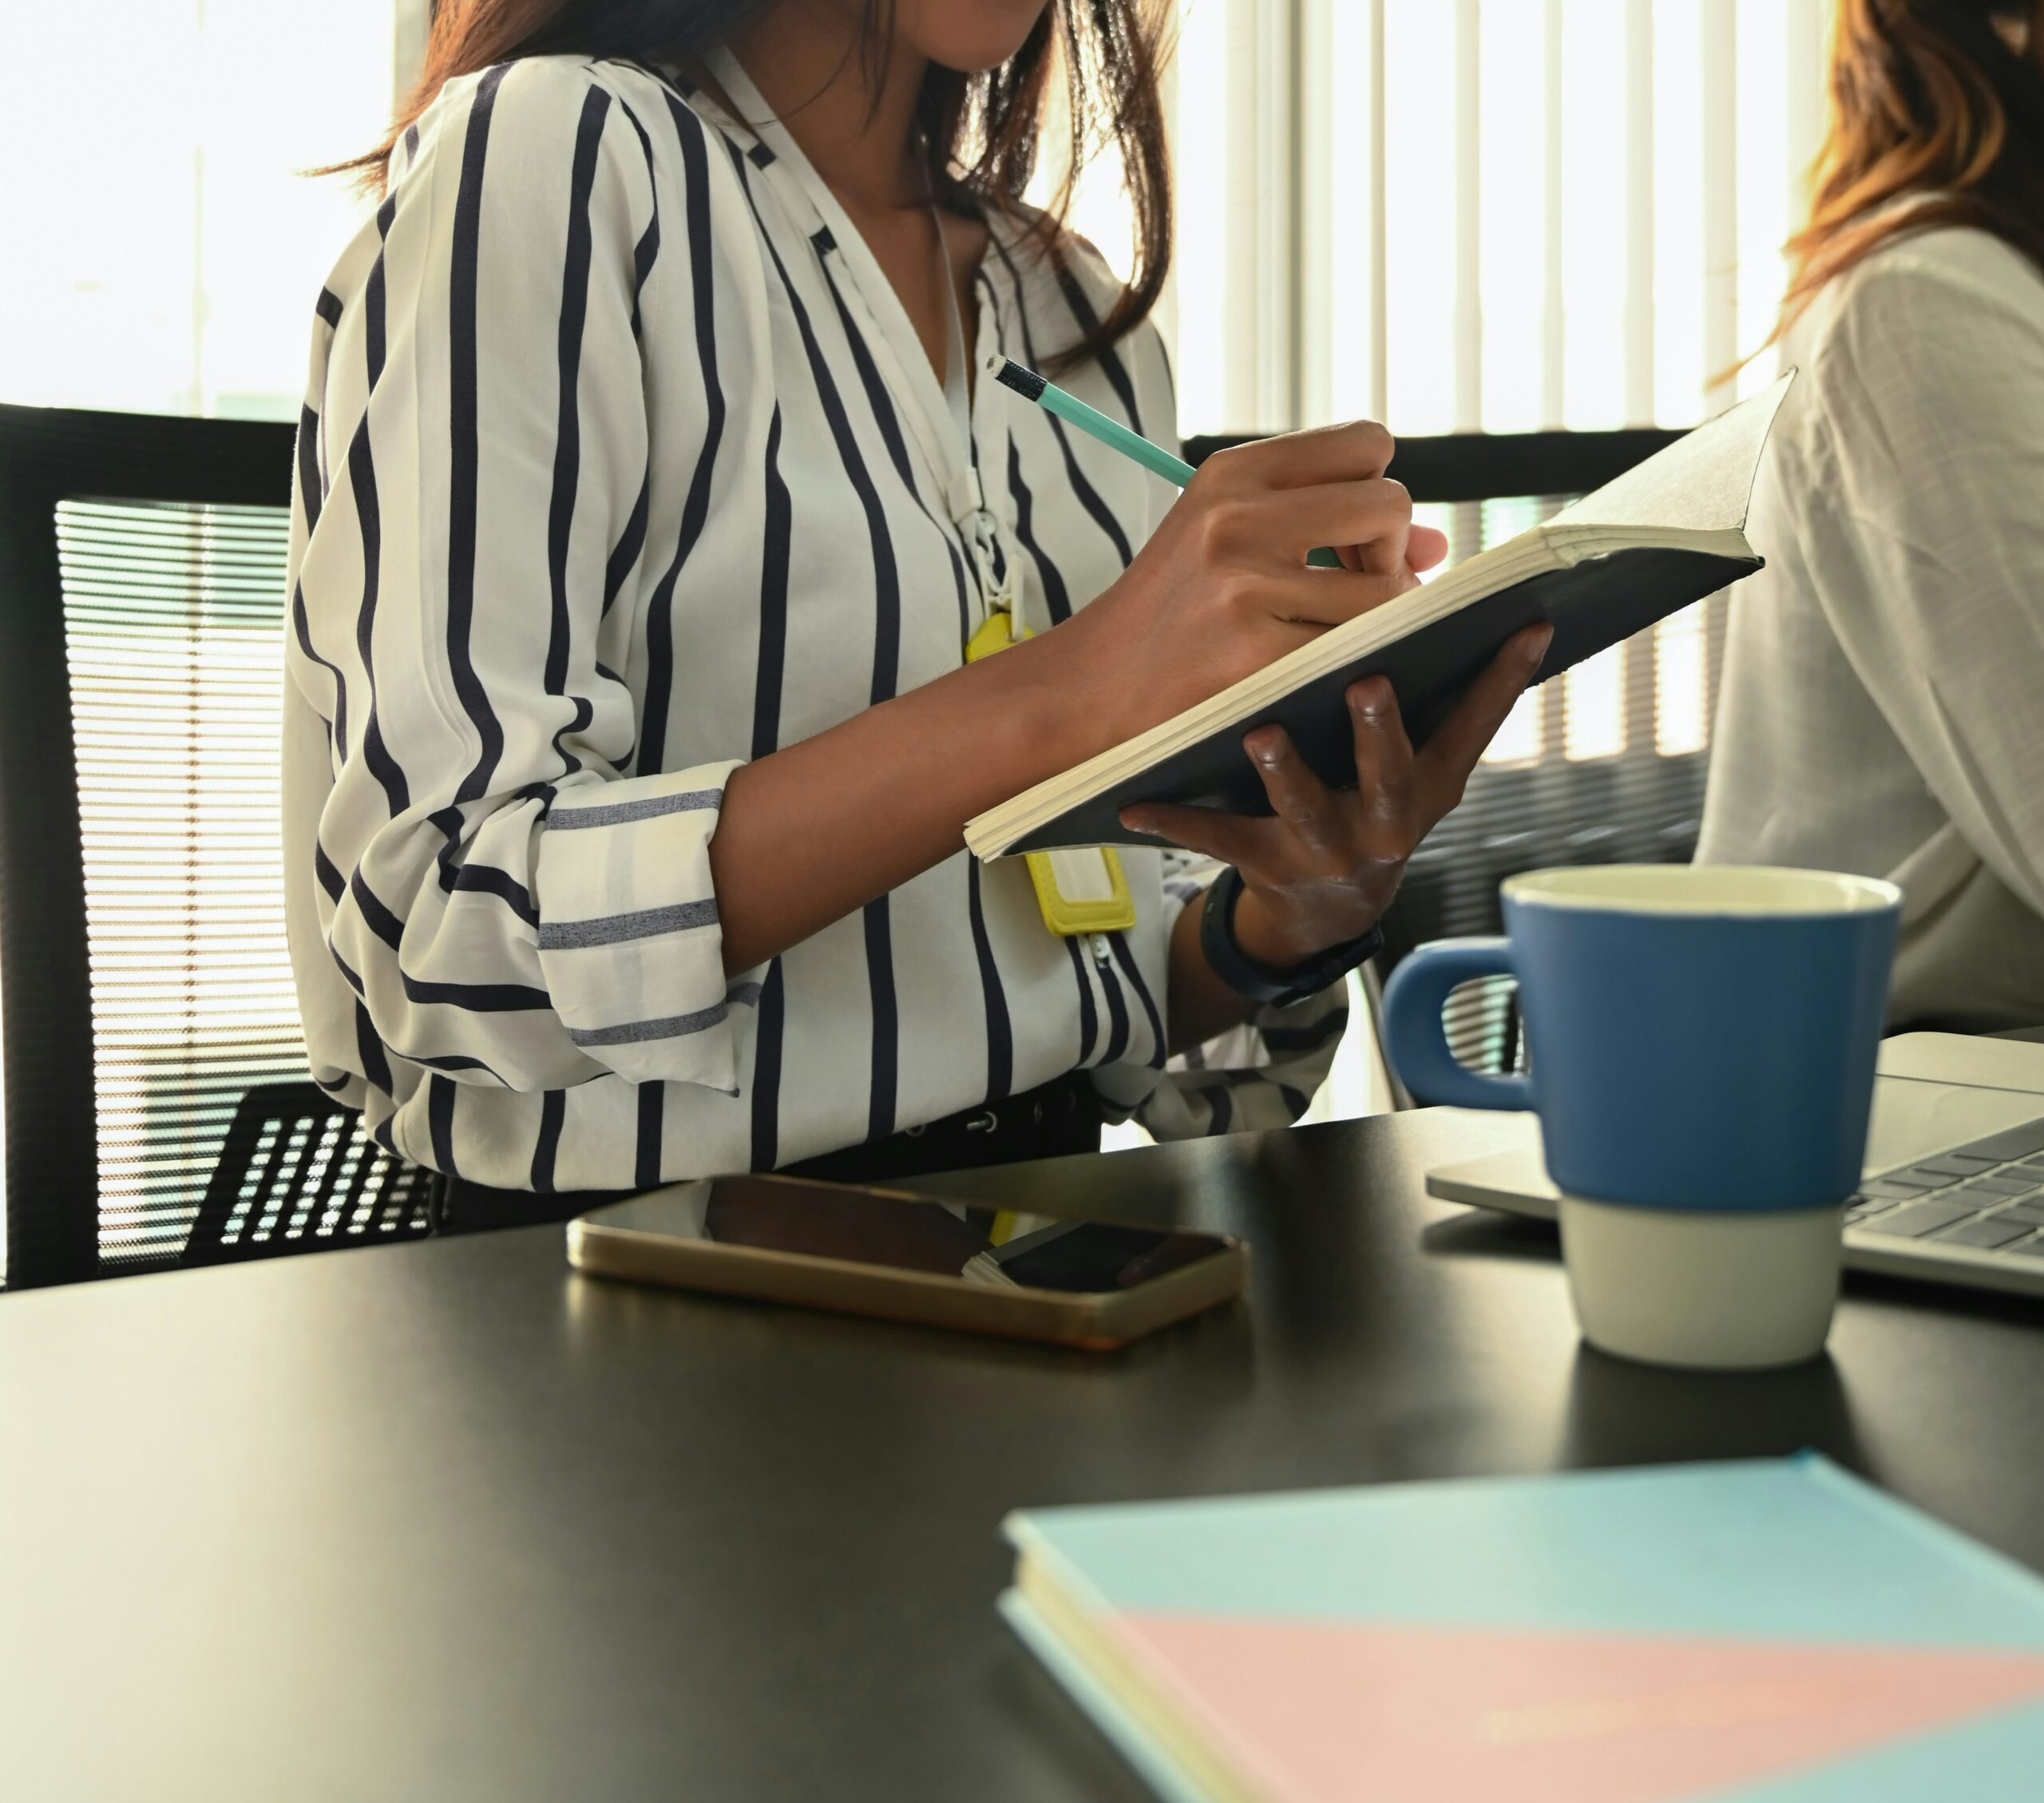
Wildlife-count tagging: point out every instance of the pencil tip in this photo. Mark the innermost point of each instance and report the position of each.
(1010, 374)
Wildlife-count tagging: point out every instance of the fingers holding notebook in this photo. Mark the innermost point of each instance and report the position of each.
(1325, 864)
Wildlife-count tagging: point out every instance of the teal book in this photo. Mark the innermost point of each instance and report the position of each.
(1773, 1631)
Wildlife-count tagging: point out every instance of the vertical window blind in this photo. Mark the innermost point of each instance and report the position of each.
(1500, 215)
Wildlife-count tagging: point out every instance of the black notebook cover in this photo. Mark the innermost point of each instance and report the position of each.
(1591, 605)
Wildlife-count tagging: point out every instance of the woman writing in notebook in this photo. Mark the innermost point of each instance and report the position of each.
(652, 535)
(1880, 702)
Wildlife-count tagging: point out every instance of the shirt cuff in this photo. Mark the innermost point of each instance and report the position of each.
(629, 939)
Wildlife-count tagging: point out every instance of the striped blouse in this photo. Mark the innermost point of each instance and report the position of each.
(621, 464)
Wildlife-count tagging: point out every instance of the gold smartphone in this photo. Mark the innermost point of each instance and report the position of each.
(1094, 1284)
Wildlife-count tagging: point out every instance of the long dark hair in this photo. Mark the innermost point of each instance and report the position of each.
(1926, 99)
(982, 132)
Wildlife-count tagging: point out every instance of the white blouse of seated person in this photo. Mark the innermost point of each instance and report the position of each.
(1883, 702)
(645, 516)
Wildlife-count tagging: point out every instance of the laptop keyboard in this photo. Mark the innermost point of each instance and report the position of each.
(1988, 1195)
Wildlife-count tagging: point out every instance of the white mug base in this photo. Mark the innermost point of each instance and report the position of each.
(1729, 1291)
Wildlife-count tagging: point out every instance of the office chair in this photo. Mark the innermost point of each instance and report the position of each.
(157, 1108)
(1634, 804)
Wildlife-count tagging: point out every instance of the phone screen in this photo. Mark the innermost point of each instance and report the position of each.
(943, 1239)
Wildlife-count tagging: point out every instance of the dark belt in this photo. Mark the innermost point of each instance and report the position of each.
(1063, 1116)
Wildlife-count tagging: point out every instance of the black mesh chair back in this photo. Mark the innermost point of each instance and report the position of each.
(1630, 791)
(145, 996)
(296, 1172)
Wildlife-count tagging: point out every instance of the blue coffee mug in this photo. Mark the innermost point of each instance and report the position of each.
(1699, 1037)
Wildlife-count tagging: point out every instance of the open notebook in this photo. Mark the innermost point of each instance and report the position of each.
(1668, 532)
(1770, 1632)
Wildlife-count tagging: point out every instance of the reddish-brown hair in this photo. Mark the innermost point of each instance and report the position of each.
(982, 132)
(1927, 100)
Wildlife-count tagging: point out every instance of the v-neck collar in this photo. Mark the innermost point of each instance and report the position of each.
(905, 364)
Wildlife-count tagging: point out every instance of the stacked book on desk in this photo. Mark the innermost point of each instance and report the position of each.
(1775, 1630)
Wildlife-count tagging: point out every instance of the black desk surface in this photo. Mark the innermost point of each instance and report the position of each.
(444, 1521)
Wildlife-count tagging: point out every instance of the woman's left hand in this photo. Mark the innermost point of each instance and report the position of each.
(1326, 864)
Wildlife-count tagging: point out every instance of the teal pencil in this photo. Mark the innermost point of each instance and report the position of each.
(1095, 424)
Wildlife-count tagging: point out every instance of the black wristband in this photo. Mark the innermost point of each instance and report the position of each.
(1279, 987)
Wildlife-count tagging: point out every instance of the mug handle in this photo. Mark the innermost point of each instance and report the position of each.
(1416, 1039)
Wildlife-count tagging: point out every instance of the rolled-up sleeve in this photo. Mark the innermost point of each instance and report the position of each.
(628, 940)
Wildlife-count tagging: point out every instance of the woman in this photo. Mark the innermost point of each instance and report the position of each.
(1882, 676)
(647, 515)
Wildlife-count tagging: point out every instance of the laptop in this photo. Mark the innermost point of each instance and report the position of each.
(1953, 1190)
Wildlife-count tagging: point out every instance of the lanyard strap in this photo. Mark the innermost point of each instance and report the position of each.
(957, 392)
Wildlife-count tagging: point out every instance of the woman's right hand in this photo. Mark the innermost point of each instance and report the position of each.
(1222, 587)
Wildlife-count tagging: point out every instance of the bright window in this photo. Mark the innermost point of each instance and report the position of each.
(1573, 209)
(164, 252)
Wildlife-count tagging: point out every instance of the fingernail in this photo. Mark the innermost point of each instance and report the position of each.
(1536, 647)
(1368, 697)
(1139, 823)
